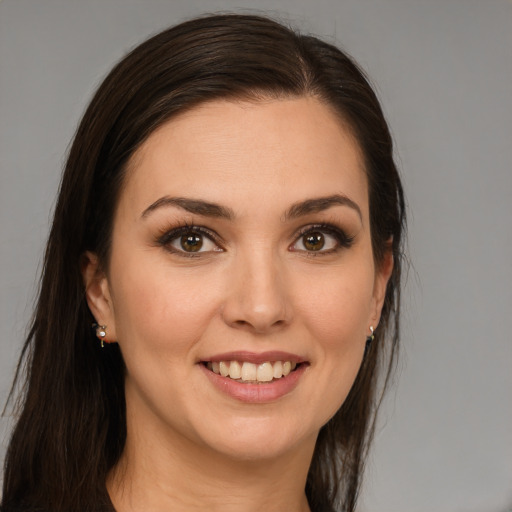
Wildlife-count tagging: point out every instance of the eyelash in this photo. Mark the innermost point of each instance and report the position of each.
(343, 240)
(172, 234)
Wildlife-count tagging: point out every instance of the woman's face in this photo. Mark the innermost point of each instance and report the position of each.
(241, 246)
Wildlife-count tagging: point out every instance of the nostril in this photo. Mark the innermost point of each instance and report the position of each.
(257, 305)
(256, 325)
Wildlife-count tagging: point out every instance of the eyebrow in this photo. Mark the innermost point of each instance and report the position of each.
(320, 204)
(208, 209)
(196, 206)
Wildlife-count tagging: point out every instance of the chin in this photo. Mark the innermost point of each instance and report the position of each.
(264, 438)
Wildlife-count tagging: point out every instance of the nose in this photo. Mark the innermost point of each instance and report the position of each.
(257, 300)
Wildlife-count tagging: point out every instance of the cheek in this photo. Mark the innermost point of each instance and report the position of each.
(335, 311)
(160, 308)
(337, 304)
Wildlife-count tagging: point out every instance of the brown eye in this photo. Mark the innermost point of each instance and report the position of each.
(191, 242)
(314, 241)
(324, 239)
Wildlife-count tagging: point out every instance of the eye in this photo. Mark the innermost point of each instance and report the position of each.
(189, 241)
(314, 241)
(321, 239)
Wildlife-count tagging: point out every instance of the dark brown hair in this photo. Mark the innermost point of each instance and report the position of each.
(71, 427)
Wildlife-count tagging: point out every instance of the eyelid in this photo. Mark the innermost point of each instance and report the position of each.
(170, 234)
(344, 241)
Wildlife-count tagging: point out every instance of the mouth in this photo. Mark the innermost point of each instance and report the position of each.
(255, 378)
(246, 372)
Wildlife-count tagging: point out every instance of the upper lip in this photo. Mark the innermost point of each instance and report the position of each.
(255, 358)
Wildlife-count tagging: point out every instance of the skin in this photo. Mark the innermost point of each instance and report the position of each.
(255, 287)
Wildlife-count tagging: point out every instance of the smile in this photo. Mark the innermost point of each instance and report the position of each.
(251, 373)
(255, 377)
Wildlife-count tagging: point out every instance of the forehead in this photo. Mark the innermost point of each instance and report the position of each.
(235, 151)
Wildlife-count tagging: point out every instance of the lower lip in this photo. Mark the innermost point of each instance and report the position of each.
(256, 393)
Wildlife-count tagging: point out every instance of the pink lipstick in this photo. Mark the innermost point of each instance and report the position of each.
(255, 377)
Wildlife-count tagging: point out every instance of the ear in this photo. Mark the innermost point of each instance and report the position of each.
(382, 274)
(98, 294)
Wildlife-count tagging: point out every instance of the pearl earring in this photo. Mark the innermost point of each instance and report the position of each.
(369, 339)
(101, 333)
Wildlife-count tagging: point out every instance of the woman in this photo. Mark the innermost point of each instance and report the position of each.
(221, 284)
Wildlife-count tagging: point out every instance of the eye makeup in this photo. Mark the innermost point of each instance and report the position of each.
(321, 239)
(189, 240)
(192, 241)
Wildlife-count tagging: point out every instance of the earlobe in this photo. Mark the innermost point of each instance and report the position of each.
(382, 275)
(98, 294)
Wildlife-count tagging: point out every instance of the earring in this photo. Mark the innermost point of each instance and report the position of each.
(101, 332)
(370, 338)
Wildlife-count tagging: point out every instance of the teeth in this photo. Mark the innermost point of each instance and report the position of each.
(235, 370)
(224, 369)
(250, 372)
(278, 370)
(265, 372)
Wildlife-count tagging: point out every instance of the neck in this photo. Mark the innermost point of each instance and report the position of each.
(180, 476)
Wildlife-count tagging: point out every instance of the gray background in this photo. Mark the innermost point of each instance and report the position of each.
(443, 70)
